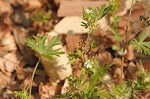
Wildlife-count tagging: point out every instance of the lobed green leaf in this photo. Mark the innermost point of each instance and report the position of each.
(38, 45)
(142, 46)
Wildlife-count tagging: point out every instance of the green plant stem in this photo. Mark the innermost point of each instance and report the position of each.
(121, 80)
(33, 77)
(126, 34)
(86, 41)
(133, 37)
(110, 29)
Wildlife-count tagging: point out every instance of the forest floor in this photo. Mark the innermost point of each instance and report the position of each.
(21, 19)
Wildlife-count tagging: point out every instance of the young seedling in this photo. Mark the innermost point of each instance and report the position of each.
(45, 52)
(21, 94)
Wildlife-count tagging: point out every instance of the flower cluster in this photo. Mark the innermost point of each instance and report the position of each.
(88, 64)
(89, 11)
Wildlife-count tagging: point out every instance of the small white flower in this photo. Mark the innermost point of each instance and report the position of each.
(88, 11)
(88, 64)
(120, 52)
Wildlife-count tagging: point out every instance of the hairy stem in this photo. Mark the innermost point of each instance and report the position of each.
(110, 29)
(33, 77)
(84, 57)
(126, 32)
(125, 39)
(121, 80)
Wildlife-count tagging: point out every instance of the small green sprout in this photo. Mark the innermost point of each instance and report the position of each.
(115, 5)
(143, 78)
(38, 44)
(41, 16)
(21, 94)
(123, 91)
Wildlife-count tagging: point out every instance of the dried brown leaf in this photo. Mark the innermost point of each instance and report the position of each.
(5, 7)
(4, 80)
(117, 62)
(104, 57)
(117, 74)
(23, 73)
(11, 61)
(8, 43)
(72, 42)
(132, 69)
(47, 91)
(32, 5)
(130, 53)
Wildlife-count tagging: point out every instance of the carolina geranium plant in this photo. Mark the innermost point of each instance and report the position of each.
(89, 85)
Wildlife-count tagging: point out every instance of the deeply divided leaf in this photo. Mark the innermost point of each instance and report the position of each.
(142, 46)
(45, 50)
